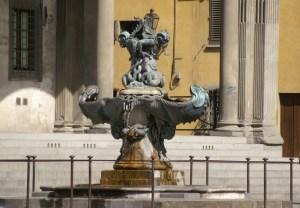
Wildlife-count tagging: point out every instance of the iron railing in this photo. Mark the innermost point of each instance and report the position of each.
(31, 159)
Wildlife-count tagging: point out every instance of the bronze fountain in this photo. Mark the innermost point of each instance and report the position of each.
(142, 114)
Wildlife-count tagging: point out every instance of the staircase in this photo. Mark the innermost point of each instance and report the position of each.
(103, 146)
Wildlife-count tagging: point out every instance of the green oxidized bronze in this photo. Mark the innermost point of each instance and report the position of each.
(144, 45)
(142, 115)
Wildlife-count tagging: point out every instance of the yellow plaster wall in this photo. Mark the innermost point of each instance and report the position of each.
(197, 64)
(289, 47)
(127, 10)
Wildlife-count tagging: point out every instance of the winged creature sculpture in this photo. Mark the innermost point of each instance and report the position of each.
(142, 121)
(143, 115)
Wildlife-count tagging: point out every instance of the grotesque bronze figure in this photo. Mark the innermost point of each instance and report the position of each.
(143, 115)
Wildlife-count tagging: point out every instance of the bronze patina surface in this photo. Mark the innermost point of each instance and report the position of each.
(143, 122)
(142, 115)
(140, 178)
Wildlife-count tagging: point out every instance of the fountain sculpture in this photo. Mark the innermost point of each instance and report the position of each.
(142, 114)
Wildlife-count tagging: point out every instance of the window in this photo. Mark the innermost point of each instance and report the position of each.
(25, 40)
(124, 25)
(129, 26)
(215, 22)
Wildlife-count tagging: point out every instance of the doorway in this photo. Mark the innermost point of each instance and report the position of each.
(290, 123)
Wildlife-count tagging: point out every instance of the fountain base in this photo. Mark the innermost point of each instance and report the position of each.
(138, 178)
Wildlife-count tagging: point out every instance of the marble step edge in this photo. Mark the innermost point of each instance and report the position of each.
(116, 146)
(74, 137)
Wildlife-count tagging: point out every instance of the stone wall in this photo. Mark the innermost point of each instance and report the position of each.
(38, 114)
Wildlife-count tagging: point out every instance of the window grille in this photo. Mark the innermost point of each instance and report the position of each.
(215, 22)
(209, 120)
(129, 25)
(25, 40)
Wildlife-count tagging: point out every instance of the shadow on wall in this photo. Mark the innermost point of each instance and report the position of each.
(69, 63)
(28, 106)
(76, 55)
(26, 110)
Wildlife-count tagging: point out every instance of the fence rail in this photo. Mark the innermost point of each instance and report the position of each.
(33, 160)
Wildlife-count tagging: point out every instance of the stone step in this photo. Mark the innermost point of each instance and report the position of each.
(209, 139)
(105, 149)
(185, 149)
(115, 144)
(236, 166)
(103, 146)
(274, 171)
(182, 154)
(53, 136)
(214, 146)
(116, 147)
(281, 170)
(69, 137)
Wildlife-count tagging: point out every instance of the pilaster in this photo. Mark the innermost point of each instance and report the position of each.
(249, 57)
(246, 62)
(271, 134)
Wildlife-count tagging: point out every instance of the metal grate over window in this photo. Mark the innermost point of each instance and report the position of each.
(129, 25)
(215, 21)
(23, 40)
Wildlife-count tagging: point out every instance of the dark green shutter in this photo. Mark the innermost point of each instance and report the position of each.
(215, 13)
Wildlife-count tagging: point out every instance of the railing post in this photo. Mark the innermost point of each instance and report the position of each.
(28, 181)
(265, 181)
(33, 173)
(248, 174)
(152, 181)
(291, 179)
(207, 170)
(71, 180)
(90, 181)
(191, 169)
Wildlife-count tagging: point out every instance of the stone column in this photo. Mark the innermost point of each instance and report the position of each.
(229, 68)
(105, 47)
(271, 134)
(99, 49)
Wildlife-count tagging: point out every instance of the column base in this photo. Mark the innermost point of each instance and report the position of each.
(268, 135)
(65, 127)
(228, 131)
(264, 135)
(99, 129)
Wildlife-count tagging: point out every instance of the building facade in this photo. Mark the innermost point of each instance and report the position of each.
(51, 49)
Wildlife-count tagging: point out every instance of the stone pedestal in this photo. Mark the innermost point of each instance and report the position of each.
(162, 192)
(138, 155)
(138, 178)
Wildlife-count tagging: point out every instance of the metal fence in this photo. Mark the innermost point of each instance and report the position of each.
(32, 161)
